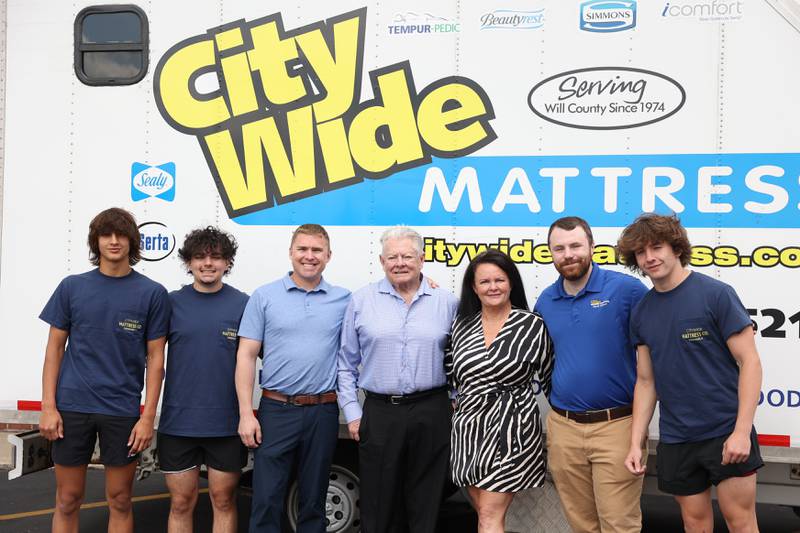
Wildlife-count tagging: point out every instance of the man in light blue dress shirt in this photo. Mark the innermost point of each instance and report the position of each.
(397, 330)
(297, 320)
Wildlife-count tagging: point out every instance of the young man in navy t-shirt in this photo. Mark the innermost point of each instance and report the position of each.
(200, 412)
(108, 327)
(697, 356)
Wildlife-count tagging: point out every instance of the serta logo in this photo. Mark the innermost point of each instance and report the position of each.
(153, 182)
(286, 121)
(156, 241)
(605, 16)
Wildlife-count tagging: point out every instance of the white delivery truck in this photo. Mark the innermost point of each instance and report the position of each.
(477, 123)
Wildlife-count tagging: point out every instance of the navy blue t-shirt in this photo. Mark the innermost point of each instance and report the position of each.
(696, 376)
(200, 390)
(109, 320)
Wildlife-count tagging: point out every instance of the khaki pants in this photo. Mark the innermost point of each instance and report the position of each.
(597, 492)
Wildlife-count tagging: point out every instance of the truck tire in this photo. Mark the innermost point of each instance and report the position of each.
(342, 501)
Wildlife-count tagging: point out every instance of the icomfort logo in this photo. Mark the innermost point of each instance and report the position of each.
(506, 19)
(606, 16)
(705, 11)
(156, 241)
(153, 181)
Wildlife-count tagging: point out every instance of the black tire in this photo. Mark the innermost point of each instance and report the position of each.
(342, 503)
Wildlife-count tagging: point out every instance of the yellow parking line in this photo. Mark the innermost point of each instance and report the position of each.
(93, 505)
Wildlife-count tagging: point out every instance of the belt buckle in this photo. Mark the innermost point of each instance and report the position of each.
(292, 400)
(395, 399)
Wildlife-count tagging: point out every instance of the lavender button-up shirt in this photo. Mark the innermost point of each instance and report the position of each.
(399, 346)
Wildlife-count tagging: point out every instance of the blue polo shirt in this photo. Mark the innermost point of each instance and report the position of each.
(299, 331)
(595, 360)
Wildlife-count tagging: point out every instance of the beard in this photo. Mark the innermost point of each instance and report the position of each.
(577, 268)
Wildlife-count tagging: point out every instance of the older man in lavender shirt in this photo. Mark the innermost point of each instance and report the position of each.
(397, 329)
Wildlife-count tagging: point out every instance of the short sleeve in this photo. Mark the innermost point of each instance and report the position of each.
(636, 339)
(730, 313)
(158, 314)
(253, 318)
(57, 310)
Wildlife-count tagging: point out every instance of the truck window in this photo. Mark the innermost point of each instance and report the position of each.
(111, 45)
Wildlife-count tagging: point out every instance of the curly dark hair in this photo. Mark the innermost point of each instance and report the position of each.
(650, 228)
(120, 222)
(470, 303)
(208, 239)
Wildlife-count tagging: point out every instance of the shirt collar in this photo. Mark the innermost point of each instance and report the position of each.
(289, 284)
(386, 287)
(595, 284)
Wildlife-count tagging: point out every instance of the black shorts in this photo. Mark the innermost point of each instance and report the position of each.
(688, 468)
(81, 431)
(178, 454)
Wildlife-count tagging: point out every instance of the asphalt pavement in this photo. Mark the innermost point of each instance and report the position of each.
(26, 506)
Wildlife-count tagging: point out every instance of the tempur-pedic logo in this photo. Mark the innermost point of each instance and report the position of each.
(156, 241)
(410, 23)
(606, 16)
(287, 122)
(506, 19)
(713, 10)
(606, 98)
(153, 181)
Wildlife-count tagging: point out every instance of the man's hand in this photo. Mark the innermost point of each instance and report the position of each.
(141, 436)
(50, 424)
(633, 462)
(432, 283)
(353, 428)
(250, 431)
(736, 448)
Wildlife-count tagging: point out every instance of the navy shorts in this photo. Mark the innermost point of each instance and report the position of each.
(81, 431)
(178, 454)
(688, 468)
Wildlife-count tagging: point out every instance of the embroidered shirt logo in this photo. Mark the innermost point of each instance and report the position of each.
(694, 334)
(130, 324)
(597, 304)
(230, 333)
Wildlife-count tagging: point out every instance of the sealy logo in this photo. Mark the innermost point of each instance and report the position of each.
(410, 23)
(506, 19)
(156, 241)
(606, 98)
(153, 182)
(711, 10)
(287, 120)
(606, 16)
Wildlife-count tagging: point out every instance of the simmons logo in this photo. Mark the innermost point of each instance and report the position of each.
(606, 98)
(156, 241)
(606, 16)
(153, 182)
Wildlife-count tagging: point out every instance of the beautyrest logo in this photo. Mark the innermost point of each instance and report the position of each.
(156, 242)
(153, 182)
(606, 16)
(704, 11)
(287, 122)
(506, 19)
(606, 98)
(409, 23)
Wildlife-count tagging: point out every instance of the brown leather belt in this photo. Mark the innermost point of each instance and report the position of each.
(300, 399)
(591, 417)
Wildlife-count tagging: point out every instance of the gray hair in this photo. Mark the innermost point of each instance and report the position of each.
(403, 232)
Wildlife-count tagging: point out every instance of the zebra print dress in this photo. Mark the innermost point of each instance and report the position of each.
(496, 442)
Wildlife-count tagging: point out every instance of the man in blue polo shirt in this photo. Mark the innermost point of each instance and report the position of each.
(298, 320)
(587, 312)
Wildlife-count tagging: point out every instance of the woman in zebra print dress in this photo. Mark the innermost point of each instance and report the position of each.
(496, 348)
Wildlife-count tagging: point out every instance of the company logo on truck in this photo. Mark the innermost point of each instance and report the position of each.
(606, 16)
(156, 241)
(153, 181)
(606, 98)
(506, 19)
(411, 23)
(287, 120)
(708, 11)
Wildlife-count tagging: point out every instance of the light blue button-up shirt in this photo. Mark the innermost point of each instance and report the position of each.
(399, 346)
(299, 331)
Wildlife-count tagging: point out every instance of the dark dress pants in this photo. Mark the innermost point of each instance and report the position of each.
(307, 434)
(404, 454)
